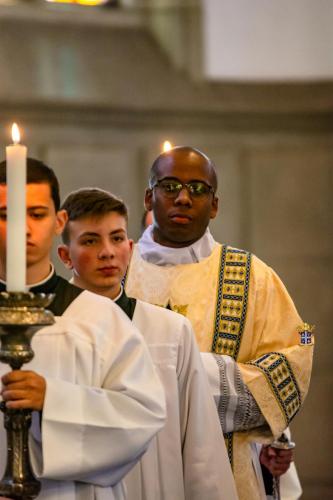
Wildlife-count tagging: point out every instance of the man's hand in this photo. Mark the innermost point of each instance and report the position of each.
(23, 389)
(275, 460)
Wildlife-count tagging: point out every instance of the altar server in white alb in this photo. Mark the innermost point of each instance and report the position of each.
(256, 349)
(96, 397)
(187, 459)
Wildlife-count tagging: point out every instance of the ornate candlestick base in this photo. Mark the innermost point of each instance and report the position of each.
(21, 315)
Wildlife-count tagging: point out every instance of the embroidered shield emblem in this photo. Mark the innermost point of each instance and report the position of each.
(306, 335)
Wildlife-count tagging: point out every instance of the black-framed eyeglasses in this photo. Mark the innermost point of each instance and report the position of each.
(172, 187)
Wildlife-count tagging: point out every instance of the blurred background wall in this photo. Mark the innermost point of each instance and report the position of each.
(96, 91)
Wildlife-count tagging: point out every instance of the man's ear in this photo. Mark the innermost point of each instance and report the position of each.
(215, 207)
(148, 199)
(61, 220)
(63, 253)
(131, 245)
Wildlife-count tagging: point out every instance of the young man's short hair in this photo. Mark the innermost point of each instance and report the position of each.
(90, 202)
(37, 173)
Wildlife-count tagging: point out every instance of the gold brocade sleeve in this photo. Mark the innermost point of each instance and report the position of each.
(279, 383)
(278, 372)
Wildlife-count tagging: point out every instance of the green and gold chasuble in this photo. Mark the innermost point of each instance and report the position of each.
(238, 307)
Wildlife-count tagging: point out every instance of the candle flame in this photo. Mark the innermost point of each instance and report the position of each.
(16, 134)
(167, 146)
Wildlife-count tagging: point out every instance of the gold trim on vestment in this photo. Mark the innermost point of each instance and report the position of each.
(232, 296)
(281, 381)
(180, 309)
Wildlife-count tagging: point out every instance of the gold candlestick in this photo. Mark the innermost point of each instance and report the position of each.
(21, 315)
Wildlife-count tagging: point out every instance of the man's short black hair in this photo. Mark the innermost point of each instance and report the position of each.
(37, 173)
(153, 177)
(90, 202)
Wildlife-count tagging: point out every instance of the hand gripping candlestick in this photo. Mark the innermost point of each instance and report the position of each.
(282, 443)
(21, 315)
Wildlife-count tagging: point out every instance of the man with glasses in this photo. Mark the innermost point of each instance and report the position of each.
(245, 323)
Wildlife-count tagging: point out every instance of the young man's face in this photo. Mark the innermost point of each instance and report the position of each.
(43, 224)
(98, 252)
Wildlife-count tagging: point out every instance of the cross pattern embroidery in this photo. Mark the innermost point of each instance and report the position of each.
(306, 337)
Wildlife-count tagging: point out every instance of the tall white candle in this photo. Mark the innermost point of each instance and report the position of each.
(16, 157)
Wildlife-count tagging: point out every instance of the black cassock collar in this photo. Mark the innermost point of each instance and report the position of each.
(127, 304)
(64, 292)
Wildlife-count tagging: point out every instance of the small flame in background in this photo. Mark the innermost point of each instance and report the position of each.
(16, 134)
(81, 2)
(166, 146)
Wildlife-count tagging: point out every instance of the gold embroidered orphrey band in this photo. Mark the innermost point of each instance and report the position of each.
(231, 307)
(232, 297)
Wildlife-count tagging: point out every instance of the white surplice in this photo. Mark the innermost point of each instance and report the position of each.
(103, 403)
(187, 459)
